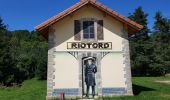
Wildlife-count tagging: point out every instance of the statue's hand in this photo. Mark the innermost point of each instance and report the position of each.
(95, 70)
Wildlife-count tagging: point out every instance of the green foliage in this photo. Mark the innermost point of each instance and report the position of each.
(160, 39)
(140, 45)
(30, 53)
(150, 53)
(2, 25)
(23, 55)
(7, 70)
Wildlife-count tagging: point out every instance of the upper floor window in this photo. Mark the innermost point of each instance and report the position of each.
(88, 30)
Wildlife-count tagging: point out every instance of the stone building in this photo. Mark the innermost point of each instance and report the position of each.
(86, 30)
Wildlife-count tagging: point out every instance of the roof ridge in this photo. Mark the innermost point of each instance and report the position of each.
(81, 3)
(117, 14)
(87, 0)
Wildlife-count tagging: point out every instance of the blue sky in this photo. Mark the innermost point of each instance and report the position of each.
(26, 14)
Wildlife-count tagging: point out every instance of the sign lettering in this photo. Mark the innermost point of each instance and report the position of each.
(81, 45)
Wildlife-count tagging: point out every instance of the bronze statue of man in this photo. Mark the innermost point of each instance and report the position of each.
(90, 71)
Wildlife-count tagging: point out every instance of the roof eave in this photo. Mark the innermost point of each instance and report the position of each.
(45, 25)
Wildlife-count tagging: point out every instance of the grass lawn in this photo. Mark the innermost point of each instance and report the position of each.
(145, 88)
(30, 90)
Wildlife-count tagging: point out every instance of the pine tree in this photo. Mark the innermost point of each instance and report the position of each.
(160, 39)
(6, 65)
(2, 25)
(139, 44)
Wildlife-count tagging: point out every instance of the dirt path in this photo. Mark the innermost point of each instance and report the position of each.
(166, 81)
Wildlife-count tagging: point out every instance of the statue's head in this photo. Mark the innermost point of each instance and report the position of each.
(89, 61)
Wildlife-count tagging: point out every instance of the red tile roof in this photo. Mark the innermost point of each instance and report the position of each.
(45, 25)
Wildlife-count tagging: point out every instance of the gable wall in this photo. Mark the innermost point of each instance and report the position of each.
(64, 29)
(112, 65)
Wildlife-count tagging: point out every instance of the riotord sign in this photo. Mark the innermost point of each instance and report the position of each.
(90, 45)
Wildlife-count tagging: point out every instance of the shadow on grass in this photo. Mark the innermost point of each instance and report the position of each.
(138, 89)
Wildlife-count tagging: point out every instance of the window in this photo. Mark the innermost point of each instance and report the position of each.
(88, 30)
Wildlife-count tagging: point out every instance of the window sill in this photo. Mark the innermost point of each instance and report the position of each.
(88, 40)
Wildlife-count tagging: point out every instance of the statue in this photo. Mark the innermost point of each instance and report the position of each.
(90, 71)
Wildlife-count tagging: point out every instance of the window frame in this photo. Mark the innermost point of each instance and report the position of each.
(88, 29)
(95, 30)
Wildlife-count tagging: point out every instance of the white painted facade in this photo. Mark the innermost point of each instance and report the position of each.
(112, 70)
(67, 71)
(64, 29)
(66, 66)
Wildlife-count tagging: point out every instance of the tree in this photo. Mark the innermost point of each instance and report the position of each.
(2, 25)
(139, 44)
(29, 51)
(160, 39)
(23, 55)
(41, 49)
(7, 69)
